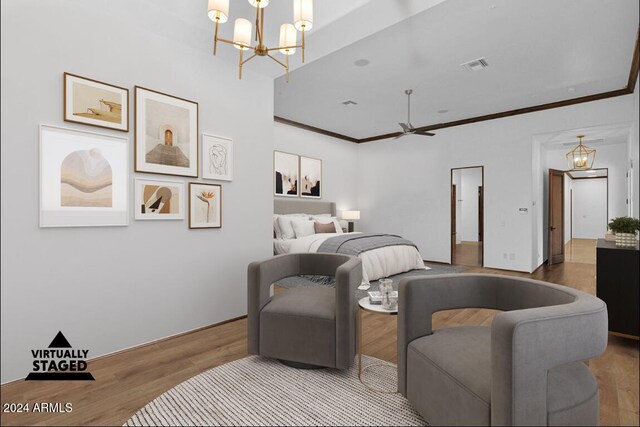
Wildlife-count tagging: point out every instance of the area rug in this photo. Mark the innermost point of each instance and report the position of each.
(305, 281)
(256, 391)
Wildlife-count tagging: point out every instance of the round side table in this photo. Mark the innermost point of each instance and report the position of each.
(365, 305)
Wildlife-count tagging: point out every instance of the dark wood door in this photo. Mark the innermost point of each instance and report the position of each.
(480, 213)
(454, 232)
(556, 216)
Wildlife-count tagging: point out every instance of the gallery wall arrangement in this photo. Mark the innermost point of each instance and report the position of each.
(296, 176)
(84, 176)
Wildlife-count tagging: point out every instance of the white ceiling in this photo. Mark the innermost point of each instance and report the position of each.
(617, 133)
(539, 51)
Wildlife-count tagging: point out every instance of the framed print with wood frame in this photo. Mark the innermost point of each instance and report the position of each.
(217, 158)
(286, 169)
(95, 103)
(158, 200)
(84, 178)
(166, 134)
(205, 205)
(310, 178)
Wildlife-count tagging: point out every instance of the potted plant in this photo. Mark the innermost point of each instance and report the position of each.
(626, 229)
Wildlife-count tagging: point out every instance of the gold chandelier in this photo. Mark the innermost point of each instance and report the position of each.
(581, 157)
(218, 12)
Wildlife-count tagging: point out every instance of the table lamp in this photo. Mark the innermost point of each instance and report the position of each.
(351, 216)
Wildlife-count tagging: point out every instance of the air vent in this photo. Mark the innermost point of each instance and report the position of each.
(349, 102)
(476, 64)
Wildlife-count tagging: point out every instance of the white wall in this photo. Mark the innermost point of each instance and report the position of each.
(404, 184)
(471, 180)
(339, 162)
(589, 208)
(114, 287)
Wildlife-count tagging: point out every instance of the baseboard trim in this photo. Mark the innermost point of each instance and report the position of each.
(148, 343)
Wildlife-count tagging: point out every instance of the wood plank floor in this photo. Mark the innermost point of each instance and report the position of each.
(125, 382)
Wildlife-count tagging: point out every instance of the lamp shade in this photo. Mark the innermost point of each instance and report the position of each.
(351, 215)
(242, 33)
(259, 3)
(303, 14)
(218, 10)
(288, 37)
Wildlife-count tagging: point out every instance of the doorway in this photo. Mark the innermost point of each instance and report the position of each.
(467, 216)
(587, 213)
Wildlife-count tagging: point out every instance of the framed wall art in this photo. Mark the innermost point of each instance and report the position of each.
(166, 134)
(83, 178)
(158, 200)
(310, 178)
(286, 168)
(205, 205)
(217, 158)
(95, 103)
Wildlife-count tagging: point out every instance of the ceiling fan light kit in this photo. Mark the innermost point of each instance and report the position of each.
(218, 12)
(407, 128)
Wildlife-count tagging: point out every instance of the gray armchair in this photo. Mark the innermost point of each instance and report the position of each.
(304, 327)
(526, 369)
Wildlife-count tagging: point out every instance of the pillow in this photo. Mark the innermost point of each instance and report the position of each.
(276, 226)
(286, 229)
(324, 228)
(329, 220)
(303, 227)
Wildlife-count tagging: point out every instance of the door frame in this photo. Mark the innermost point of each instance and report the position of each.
(453, 214)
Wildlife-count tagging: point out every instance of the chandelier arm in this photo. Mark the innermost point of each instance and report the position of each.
(284, 65)
(249, 59)
(303, 43)
(236, 44)
(257, 23)
(215, 39)
(283, 48)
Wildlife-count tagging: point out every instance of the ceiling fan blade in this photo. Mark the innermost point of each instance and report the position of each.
(405, 127)
(400, 136)
(425, 133)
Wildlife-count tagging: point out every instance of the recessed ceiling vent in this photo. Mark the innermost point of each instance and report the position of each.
(349, 102)
(476, 64)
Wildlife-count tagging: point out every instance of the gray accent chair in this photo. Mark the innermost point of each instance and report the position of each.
(526, 369)
(304, 327)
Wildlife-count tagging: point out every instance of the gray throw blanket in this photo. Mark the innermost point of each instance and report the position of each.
(355, 244)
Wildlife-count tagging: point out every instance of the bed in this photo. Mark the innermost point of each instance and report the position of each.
(382, 254)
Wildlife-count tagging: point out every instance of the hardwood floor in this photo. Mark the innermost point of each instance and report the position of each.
(127, 381)
(468, 254)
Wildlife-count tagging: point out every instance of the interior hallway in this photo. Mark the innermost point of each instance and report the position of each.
(468, 254)
(580, 251)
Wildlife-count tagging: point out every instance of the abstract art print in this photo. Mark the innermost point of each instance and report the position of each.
(83, 178)
(166, 135)
(205, 205)
(95, 103)
(217, 158)
(285, 174)
(310, 178)
(159, 199)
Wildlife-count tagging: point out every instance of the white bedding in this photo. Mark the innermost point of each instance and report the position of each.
(376, 263)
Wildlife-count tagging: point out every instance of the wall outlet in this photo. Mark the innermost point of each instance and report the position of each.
(504, 255)
(512, 256)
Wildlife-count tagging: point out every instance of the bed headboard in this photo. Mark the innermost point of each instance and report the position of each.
(284, 206)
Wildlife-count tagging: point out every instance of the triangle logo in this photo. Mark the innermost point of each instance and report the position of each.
(59, 341)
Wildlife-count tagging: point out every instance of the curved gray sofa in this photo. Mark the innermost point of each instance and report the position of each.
(304, 327)
(526, 369)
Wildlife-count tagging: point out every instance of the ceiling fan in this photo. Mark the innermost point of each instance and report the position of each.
(407, 128)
